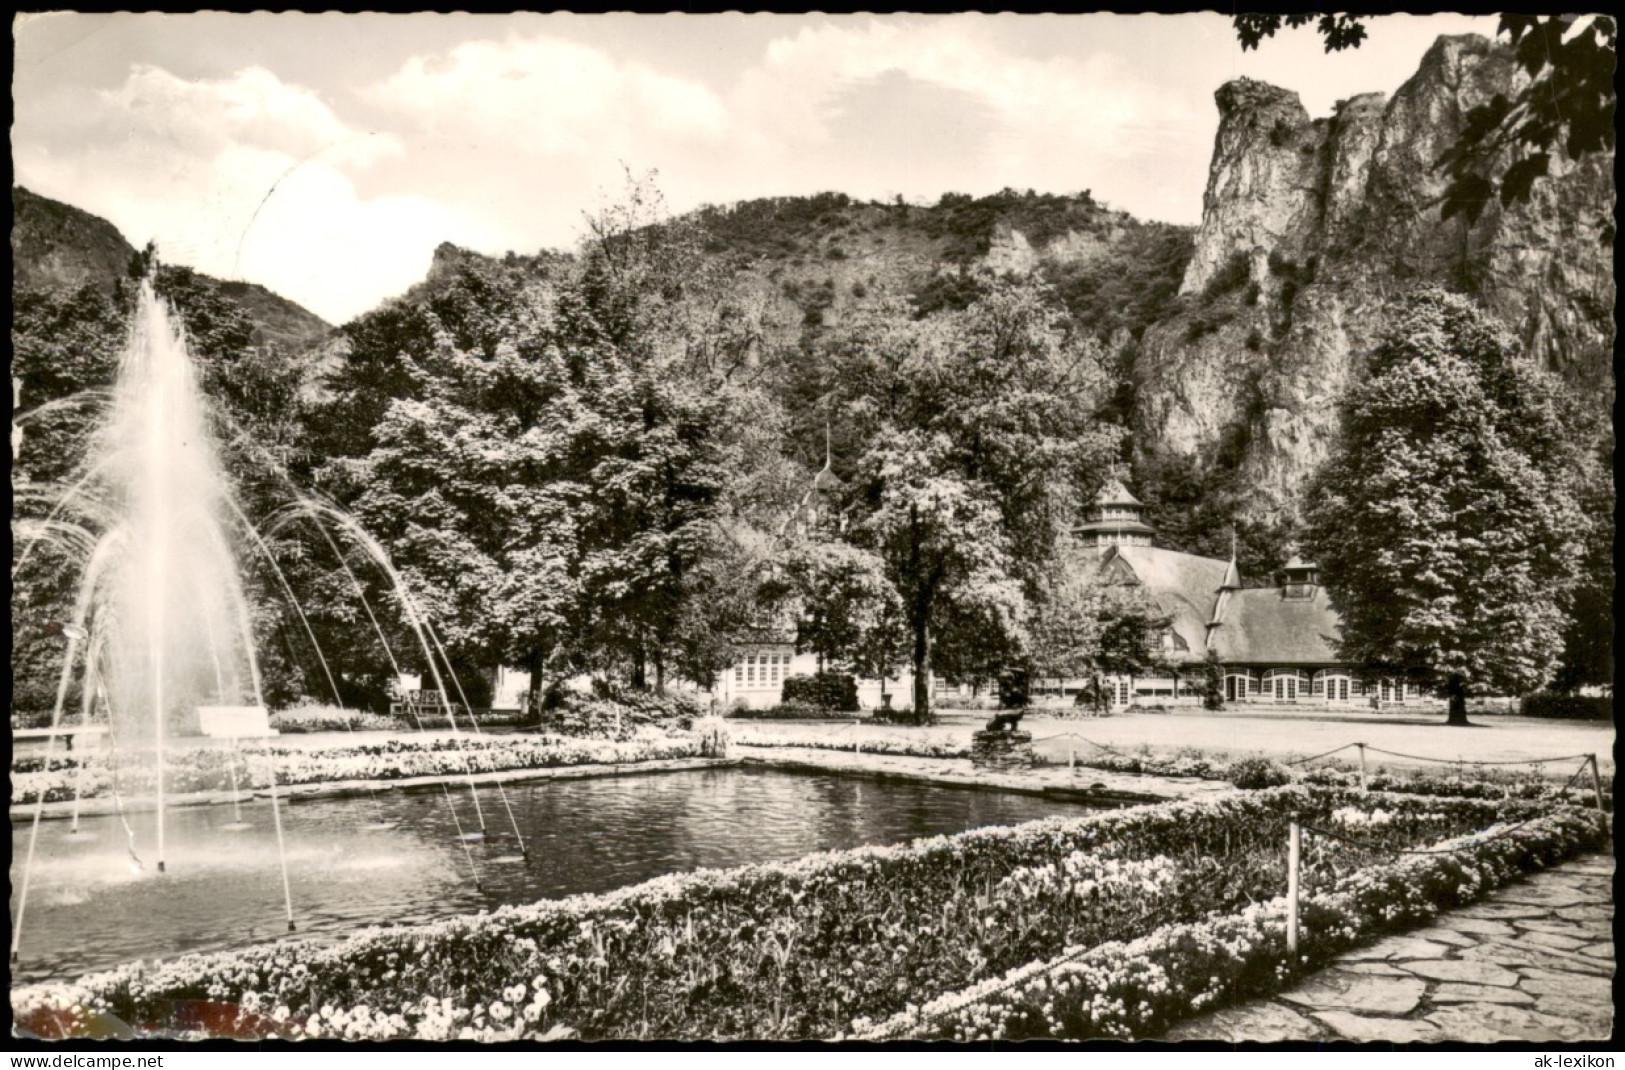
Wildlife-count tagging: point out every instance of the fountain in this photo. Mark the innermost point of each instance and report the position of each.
(161, 636)
(160, 617)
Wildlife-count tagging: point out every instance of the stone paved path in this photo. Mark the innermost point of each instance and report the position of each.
(1533, 961)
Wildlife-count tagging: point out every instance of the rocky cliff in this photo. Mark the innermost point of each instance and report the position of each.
(1310, 225)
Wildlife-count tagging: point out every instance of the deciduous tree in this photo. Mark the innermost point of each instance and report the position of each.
(1445, 522)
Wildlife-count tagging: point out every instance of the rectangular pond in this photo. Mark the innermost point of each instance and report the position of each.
(91, 907)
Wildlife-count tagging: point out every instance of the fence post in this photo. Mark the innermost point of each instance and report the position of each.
(1362, 766)
(1294, 843)
(1596, 783)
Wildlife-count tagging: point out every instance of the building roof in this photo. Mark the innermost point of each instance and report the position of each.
(1183, 585)
(1232, 576)
(1261, 627)
(1114, 493)
(1135, 526)
(1298, 564)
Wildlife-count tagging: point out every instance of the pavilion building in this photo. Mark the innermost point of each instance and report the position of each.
(1276, 644)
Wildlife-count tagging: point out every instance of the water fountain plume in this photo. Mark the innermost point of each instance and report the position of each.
(160, 594)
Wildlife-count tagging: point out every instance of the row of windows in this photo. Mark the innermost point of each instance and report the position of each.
(1288, 684)
(1104, 538)
(761, 670)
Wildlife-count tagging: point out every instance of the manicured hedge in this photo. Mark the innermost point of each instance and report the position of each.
(1567, 707)
(830, 691)
(777, 951)
(792, 711)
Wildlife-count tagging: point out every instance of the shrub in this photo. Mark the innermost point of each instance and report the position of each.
(1259, 773)
(713, 736)
(1567, 707)
(1207, 320)
(1212, 682)
(1230, 276)
(827, 690)
(622, 716)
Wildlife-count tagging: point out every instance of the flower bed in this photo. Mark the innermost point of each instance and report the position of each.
(1525, 785)
(331, 719)
(1138, 989)
(939, 745)
(788, 950)
(211, 768)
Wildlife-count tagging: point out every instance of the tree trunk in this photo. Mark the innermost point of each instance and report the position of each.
(640, 670)
(534, 665)
(660, 673)
(922, 671)
(1455, 690)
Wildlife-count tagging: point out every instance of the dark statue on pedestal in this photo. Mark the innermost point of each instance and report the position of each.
(1007, 721)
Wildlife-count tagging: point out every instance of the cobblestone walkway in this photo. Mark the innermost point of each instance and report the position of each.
(1533, 961)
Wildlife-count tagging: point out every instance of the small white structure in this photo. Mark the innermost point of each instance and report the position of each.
(235, 722)
(756, 680)
(509, 688)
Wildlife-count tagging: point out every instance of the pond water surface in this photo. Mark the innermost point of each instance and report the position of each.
(89, 907)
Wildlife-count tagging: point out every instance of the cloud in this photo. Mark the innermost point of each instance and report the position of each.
(241, 177)
(252, 107)
(550, 97)
(1059, 123)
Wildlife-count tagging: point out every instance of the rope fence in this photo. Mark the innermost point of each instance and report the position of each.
(1296, 830)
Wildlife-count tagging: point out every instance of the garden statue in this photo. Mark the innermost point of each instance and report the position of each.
(1010, 721)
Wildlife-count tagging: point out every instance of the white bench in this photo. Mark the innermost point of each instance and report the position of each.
(235, 722)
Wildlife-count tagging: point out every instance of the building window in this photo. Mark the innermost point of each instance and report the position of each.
(739, 674)
(1333, 684)
(1236, 686)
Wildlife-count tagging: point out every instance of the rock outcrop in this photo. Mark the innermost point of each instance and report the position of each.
(1310, 226)
(55, 246)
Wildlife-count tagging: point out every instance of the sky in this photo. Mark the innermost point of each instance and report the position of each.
(326, 156)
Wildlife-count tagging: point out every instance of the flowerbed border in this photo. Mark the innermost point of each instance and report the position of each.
(1138, 989)
(576, 933)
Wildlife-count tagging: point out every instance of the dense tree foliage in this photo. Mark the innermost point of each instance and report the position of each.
(1446, 523)
(975, 444)
(606, 463)
(1588, 641)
